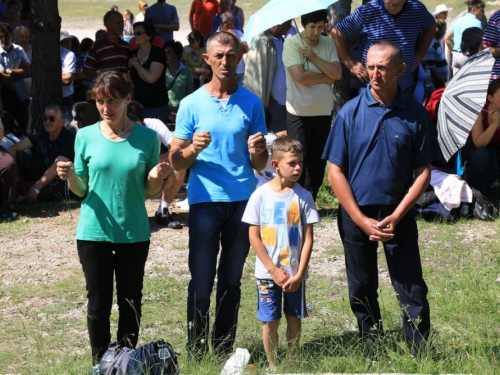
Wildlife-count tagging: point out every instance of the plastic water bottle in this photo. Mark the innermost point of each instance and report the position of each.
(163, 352)
(236, 363)
(108, 357)
(465, 209)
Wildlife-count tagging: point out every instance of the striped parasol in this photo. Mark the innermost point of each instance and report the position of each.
(462, 101)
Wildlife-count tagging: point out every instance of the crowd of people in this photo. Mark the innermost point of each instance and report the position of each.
(254, 131)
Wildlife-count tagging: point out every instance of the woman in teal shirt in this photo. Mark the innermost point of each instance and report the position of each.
(116, 167)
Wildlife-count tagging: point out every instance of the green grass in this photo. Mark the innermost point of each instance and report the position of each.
(44, 326)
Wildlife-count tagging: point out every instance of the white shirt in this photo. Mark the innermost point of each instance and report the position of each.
(164, 135)
(13, 60)
(68, 62)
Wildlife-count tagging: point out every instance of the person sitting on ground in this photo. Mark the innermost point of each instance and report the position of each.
(14, 67)
(55, 143)
(281, 274)
(80, 83)
(148, 65)
(174, 181)
(22, 38)
(481, 152)
(179, 79)
(8, 181)
(193, 58)
(139, 17)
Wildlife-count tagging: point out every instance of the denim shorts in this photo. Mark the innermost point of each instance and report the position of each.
(270, 301)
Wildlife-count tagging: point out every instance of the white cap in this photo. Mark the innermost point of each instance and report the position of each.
(64, 35)
(440, 9)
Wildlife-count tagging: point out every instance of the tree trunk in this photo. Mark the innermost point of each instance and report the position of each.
(338, 12)
(45, 25)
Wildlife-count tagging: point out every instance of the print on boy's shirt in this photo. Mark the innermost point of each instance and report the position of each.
(280, 222)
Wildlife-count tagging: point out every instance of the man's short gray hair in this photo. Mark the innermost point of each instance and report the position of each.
(224, 38)
(396, 55)
(21, 28)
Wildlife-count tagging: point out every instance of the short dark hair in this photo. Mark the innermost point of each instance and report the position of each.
(397, 54)
(11, 3)
(493, 87)
(316, 16)
(112, 84)
(176, 46)
(85, 114)
(471, 40)
(110, 14)
(149, 29)
(56, 107)
(475, 4)
(223, 37)
(135, 112)
(195, 35)
(8, 121)
(99, 34)
(5, 28)
(285, 144)
(85, 44)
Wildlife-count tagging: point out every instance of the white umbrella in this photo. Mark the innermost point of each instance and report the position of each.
(275, 12)
(462, 100)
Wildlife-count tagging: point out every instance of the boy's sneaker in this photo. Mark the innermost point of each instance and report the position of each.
(166, 219)
(94, 370)
(10, 215)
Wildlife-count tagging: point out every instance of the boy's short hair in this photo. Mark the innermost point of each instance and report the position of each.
(285, 144)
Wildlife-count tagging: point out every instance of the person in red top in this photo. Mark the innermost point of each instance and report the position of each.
(201, 14)
(482, 149)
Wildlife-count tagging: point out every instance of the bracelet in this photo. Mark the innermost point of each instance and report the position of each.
(34, 189)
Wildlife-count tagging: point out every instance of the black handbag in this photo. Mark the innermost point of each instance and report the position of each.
(483, 208)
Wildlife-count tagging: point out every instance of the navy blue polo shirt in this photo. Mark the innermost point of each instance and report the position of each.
(380, 147)
(373, 23)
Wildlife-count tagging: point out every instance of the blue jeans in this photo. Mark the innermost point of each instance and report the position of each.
(403, 260)
(212, 226)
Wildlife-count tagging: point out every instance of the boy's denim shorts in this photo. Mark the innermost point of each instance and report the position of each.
(270, 301)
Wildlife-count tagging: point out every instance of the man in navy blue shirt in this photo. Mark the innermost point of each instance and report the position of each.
(379, 151)
(406, 23)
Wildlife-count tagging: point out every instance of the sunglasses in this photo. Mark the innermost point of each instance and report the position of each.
(50, 118)
(139, 33)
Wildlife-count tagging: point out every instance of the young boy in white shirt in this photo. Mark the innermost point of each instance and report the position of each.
(281, 215)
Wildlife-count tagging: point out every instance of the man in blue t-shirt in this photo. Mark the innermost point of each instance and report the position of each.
(165, 19)
(379, 151)
(407, 23)
(219, 135)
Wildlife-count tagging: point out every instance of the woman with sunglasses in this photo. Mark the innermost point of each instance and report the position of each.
(312, 66)
(147, 65)
(116, 167)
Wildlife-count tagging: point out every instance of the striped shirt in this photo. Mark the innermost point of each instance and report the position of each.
(104, 55)
(435, 59)
(372, 23)
(491, 38)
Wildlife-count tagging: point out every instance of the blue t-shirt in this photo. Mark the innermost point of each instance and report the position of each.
(162, 15)
(380, 147)
(373, 23)
(460, 25)
(222, 172)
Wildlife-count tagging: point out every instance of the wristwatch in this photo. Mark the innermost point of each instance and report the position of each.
(35, 189)
(9, 71)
